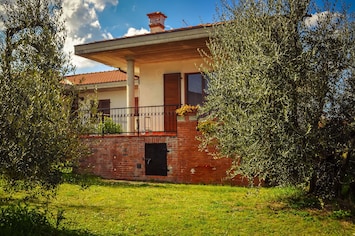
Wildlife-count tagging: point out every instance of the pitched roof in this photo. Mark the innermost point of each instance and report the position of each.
(98, 77)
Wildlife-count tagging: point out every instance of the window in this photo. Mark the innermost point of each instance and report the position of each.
(196, 87)
(104, 106)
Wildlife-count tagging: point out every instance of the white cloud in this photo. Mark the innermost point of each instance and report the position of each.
(100, 4)
(107, 35)
(132, 31)
(83, 26)
(69, 48)
(96, 24)
(324, 16)
(313, 20)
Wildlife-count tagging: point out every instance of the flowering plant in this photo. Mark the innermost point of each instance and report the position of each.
(186, 109)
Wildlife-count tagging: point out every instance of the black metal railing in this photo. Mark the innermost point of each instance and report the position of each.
(131, 120)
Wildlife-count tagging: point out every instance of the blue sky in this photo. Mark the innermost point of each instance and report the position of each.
(96, 20)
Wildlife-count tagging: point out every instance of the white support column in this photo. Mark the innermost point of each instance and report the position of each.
(130, 94)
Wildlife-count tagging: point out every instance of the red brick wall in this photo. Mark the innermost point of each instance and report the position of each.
(122, 157)
(198, 166)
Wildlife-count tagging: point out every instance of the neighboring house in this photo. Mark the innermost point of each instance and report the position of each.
(107, 89)
(161, 73)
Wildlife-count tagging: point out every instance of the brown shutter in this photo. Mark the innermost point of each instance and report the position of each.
(172, 99)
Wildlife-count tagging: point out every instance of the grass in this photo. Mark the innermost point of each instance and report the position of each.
(131, 208)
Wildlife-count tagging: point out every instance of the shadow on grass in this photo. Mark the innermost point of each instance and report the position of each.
(39, 231)
(303, 201)
(86, 180)
(21, 220)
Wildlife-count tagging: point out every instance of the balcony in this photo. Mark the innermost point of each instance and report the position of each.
(144, 120)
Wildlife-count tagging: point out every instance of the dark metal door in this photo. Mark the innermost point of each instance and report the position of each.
(155, 159)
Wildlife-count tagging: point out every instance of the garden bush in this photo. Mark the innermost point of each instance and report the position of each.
(108, 126)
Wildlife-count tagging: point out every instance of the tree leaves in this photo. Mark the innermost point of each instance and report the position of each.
(272, 77)
(37, 136)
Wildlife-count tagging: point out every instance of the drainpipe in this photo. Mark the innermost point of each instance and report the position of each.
(130, 95)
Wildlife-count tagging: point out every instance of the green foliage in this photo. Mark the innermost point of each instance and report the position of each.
(20, 220)
(93, 121)
(206, 126)
(37, 137)
(108, 126)
(281, 93)
(341, 214)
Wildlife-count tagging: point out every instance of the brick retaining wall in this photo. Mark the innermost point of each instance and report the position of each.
(123, 157)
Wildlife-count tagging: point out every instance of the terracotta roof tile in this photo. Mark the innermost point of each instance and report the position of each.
(98, 77)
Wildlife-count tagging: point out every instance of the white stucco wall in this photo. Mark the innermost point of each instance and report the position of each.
(117, 96)
(151, 90)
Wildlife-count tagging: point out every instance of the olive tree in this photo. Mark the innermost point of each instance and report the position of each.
(37, 138)
(281, 93)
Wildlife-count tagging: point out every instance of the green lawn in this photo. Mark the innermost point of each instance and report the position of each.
(125, 208)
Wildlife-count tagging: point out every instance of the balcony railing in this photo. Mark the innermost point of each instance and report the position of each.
(132, 120)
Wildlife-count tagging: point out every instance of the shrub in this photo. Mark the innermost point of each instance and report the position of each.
(109, 127)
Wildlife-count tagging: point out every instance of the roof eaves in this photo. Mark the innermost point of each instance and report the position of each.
(151, 34)
(79, 79)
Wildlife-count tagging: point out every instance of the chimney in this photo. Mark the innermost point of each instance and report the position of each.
(156, 21)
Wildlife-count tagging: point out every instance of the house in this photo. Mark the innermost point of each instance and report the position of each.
(162, 72)
(107, 88)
